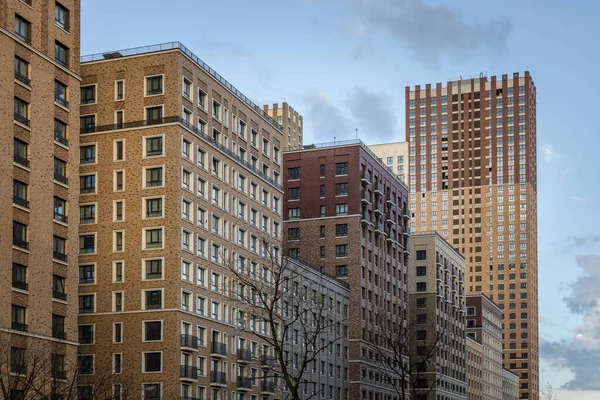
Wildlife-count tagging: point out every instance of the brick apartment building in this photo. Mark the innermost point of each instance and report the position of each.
(346, 212)
(180, 175)
(473, 178)
(40, 81)
(290, 120)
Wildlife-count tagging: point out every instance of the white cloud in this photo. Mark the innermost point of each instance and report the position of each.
(581, 199)
(578, 394)
(549, 153)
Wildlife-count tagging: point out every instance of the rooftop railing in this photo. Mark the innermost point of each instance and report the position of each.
(178, 46)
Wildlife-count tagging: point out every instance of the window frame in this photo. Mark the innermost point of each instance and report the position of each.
(162, 85)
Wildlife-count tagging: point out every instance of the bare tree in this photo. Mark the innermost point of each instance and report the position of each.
(294, 320)
(38, 370)
(406, 355)
(548, 393)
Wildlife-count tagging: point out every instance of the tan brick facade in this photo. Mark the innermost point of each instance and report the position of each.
(211, 138)
(37, 273)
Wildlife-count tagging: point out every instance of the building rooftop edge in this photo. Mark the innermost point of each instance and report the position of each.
(486, 297)
(346, 143)
(319, 271)
(509, 372)
(169, 46)
(482, 75)
(435, 233)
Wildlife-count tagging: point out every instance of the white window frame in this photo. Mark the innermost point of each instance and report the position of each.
(115, 141)
(144, 150)
(95, 180)
(95, 204)
(161, 364)
(115, 210)
(162, 296)
(115, 190)
(114, 303)
(162, 330)
(190, 248)
(115, 241)
(144, 229)
(114, 271)
(143, 269)
(144, 209)
(116, 85)
(146, 77)
(147, 167)
(191, 82)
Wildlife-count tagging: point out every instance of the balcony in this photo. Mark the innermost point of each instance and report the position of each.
(189, 341)
(378, 189)
(61, 217)
(21, 160)
(20, 284)
(267, 387)
(378, 209)
(244, 355)
(59, 256)
(62, 101)
(189, 372)
(59, 295)
(365, 178)
(407, 232)
(363, 198)
(244, 383)
(22, 119)
(23, 244)
(218, 378)
(219, 349)
(61, 178)
(22, 78)
(20, 201)
(378, 229)
(60, 138)
(406, 214)
(389, 200)
(407, 249)
(365, 219)
(390, 220)
(268, 361)
(18, 326)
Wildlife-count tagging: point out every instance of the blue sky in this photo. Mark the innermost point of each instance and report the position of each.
(344, 65)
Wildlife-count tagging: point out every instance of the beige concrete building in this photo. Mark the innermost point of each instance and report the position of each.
(484, 324)
(510, 385)
(290, 121)
(436, 286)
(180, 176)
(40, 82)
(473, 178)
(394, 156)
(474, 370)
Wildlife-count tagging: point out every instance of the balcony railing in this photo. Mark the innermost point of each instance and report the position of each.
(189, 371)
(21, 243)
(84, 190)
(189, 341)
(60, 138)
(59, 256)
(219, 348)
(22, 78)
(61, 217)
(21, 160)
(218, 377)
(18, 326)
(268, 387)
(22, 119)
(21, 201)
(59, 295)
(268, 361)
(20, 284)
(62, 101)
(244, 383)
(244, 355)
(61, 178)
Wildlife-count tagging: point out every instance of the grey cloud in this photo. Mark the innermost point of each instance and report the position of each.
(434, 31)
(580, 354)
(374, 115)
(323, 119)
(574, 242)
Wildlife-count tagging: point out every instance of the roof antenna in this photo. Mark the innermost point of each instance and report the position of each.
(356, 133)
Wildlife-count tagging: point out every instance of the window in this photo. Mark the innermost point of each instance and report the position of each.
(22, 29)
(154, 146)
(293, 233)
(185, 270)
(201, 99)
(118, 211)
(293, 213)
(152, 362)
(21, 152)
(421, 254)
(60, 93)
(87, 154)
(341, 230)
(22, 70)
(294, 173)
(154, 208)
(87, 273)
(20, 193)
(61, 53)
(341, 189)
(421, 286)
(59, 248)
(19, 318)
(186, 240)
(341, 168)
(153, 269)
(421, 271)
(87, 123)
(87, 184)
(341, 250)
(185, 301)
(20, 235)
(21, 111)
(341, 209)
(201, 276)
(60, 132)
(294, 193)
(87, 244)
(153, 299)
(119, 90)
(187, 88)
(185, 209)
(60, 209)
(87, 214)
(186, 179)
(88, 94)
(118, 241)
(152, 330)
(216, 110)
(86, 303)
(154, 85)
(154, 114)
(154, 177)
(61, 16)
(19, 276)
(85, 334)
(341, 270)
